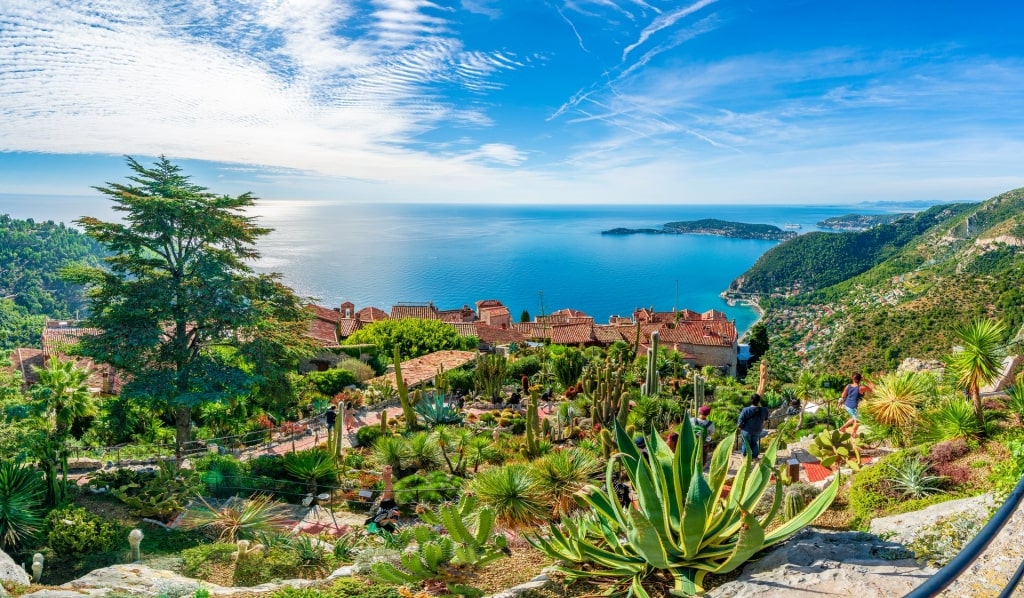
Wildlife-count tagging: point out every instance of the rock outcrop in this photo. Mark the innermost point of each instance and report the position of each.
(11, 572)
(822, 563)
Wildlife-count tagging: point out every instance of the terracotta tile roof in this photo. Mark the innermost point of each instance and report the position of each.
(487, 303)
(347, 326)
(572, 334)
(581, 320)
(368, 315)
(708, 333)
(464, 314)
(568, 312)
(59, 335)
(607, 335)
(688, 314)
(325, 313)
(22, 361)
(324, 332)
(495, 335)
(423, 312)
(466, 329)
(533, 330)
(713, 314)
(423, 369)
(552, 319)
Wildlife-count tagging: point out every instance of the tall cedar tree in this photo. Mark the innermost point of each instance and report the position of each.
(181, 312)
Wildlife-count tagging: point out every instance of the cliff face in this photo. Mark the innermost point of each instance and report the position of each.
(869, 299)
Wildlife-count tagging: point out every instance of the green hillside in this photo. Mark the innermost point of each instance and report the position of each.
(952, 263)
(32, 255)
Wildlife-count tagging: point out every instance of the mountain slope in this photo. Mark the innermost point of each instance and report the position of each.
(969, 262)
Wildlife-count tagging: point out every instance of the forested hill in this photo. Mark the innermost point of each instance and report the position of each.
(968, 263)
(32, 255)
(818, 260)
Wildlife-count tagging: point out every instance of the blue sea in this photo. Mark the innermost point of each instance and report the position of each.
(537, 259)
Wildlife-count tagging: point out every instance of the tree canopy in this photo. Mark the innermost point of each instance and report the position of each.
(412, 336)
(179, 308)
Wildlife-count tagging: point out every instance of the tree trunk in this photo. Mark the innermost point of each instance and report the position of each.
(979, 412)
(183, 431)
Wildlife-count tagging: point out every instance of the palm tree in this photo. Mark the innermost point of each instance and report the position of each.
(60, 398)
(977, 361)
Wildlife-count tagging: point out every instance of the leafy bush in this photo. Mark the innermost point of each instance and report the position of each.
(872, 492)
(368, 435)
(220, 473)
(354, 460)
(434, 487)
(332, 381)
(116, 478)
(163, 495)
(198, 561)
(343, 588)
(21, 503)
(277, 562)
(360, 370)
(74, 531)
(527, 366)
(460, 380)
(953, 419)
(948, 451)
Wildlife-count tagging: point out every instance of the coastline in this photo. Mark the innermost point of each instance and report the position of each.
(753, 301)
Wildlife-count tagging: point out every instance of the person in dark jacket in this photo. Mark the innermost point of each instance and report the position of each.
(750, 424)
(330, 417)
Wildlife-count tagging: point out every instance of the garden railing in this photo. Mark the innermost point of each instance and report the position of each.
(970, 553)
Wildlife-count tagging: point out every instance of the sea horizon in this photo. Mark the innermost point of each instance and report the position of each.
(533, 258)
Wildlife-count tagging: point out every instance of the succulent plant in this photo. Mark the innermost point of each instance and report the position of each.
(434, 412)
(683, 523)
(835, 447)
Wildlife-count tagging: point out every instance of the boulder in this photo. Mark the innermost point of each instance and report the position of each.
(12, 572)
(907, 527)
(824, 563)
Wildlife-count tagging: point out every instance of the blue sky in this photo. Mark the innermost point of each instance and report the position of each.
(580, 101)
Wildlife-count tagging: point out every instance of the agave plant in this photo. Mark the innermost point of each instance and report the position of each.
(240, 518)
(911, 479)
(956, 418)
(21, 503)
(434, 412)
(684, 524)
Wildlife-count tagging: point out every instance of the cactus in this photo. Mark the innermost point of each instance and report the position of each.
(546, 430)
(651, 386)
(836, 448)
(532, 426)
(439, 557)
(384, 422)
(605, 387)
(135, 541)
(684, 524)
(244, 549)
(37, 567)
(403, 394)
(607, 443)
(793, 504)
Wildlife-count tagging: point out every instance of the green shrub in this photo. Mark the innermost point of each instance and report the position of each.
(434, 487)
(278, 562)
(331, 382)
(354, 461)
(360, 370)
(938, 543)
(343, 588)
(526, 366)
(872, 493)
(368, 435)
(460, 380)
(198, 562)
(220, 473)
(75, 531)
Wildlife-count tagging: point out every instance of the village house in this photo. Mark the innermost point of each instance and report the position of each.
(57, 337)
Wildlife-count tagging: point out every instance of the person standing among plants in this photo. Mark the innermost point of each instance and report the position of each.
(330, 417)
(704, 429)
(386, 517)
(852, 395)
(751, 423)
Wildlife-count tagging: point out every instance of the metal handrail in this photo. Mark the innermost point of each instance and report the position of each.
(970, 553)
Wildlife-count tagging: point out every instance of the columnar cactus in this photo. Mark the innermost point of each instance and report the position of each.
(37, 567)
(384, 422)
(403, 394)
(533, 426)
(605, 386)
(135, 541)
(651, 380)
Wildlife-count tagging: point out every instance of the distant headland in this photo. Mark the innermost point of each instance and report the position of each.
(711, 226)
(859, 222)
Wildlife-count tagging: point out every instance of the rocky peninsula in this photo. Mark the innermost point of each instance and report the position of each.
(711, 226)
(859, 222)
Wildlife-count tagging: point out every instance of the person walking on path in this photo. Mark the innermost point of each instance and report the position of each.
(704, 429)
(852, 395)
(330, 417)
(753, 416)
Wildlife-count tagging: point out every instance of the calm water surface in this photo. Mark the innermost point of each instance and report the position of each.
(537, 259)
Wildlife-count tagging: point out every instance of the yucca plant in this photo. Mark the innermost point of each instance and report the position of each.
(513, 492)
(240, 518)
(312, 466)
(561, 474)
(423, 451)
(895, 400)
(434, 412)
(391, 450)
(956, 418)
(910, 478)
(21, 503)
(685, 523)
